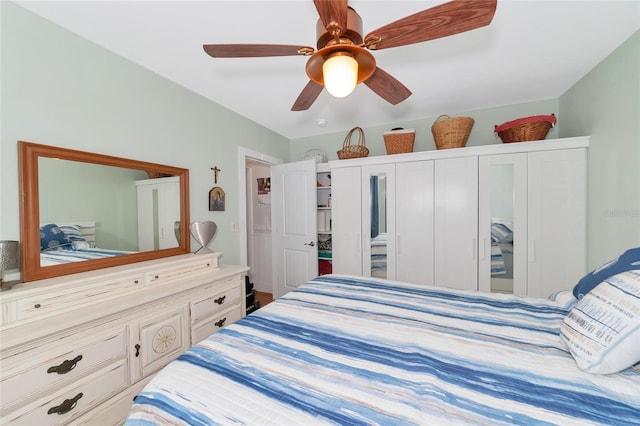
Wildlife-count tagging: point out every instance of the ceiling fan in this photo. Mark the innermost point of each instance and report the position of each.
(342, 59)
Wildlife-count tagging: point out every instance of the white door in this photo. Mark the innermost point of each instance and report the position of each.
(502, 191)
(158, 211)
(346, 216)
(293, 222)
(456, 223)
(556, 220)
(414, 222)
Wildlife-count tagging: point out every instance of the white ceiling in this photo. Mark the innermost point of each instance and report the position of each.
(533, 50)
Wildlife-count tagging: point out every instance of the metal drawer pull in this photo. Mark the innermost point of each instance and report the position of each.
(137, 346)
(66, 406)
(66, 366)
(220, 300)
(221, 322)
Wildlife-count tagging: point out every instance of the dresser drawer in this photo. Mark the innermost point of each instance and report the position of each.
(218, 301)
(198, 265)
(53, 365)
(62, 406)
(84, 295)
(206, 328)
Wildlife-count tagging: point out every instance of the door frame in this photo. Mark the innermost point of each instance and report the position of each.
(245, 154)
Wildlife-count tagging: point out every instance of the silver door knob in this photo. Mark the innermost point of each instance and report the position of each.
(310, 244)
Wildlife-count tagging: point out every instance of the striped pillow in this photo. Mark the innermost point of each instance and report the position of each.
(602, 330)
(501, 231)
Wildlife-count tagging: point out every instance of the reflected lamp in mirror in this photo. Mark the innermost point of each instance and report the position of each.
(8, 257)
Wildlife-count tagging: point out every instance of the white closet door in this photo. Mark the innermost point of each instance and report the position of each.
(556, 220)
(414, 222)
(502, 191)
(158, 211)
(456, 223)
(346, 220)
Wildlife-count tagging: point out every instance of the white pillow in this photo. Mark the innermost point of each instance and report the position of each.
(602, 330)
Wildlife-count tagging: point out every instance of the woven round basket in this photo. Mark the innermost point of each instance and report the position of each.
(451, 132)
(399, 141)
(350, 150)
(534, 128)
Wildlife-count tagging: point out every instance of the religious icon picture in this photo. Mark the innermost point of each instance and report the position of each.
(216, 199)
(264, 185)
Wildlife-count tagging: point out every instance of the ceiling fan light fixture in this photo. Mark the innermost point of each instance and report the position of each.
(340, 74)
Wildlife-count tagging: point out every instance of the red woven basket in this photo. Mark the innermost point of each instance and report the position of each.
(534, 128)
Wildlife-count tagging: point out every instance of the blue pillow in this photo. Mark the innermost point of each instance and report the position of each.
(627, 261)
(52, 237)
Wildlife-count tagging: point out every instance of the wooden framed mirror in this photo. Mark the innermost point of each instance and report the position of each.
(65, 186)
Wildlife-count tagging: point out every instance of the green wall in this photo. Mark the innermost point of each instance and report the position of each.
(71, 191)
(60, 89)
(605, 104)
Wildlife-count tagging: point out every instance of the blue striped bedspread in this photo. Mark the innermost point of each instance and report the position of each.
(57, 257)
(348, 351)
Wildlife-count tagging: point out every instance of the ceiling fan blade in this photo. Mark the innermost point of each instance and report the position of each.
(440, 21)
(254, 50)
(387, 87)
(332, 11)
(308, 96)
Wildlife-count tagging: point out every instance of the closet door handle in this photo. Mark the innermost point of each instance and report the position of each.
(310, 244)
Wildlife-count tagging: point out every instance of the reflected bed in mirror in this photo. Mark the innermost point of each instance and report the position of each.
(82, 211)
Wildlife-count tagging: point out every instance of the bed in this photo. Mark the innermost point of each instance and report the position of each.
(71, 242)
(351, 350)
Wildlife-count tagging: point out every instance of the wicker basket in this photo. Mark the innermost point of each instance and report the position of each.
(353, 151)
(451, 132)
(399, 141)
(534, 128)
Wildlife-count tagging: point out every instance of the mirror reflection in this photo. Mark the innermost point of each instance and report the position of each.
(378, 207)
(502, 238)
(103, 211)
(82, 211)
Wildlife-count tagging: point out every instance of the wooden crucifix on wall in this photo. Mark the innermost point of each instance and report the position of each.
(216, 195)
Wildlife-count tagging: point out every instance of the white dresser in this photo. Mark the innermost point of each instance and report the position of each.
(77, 349)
